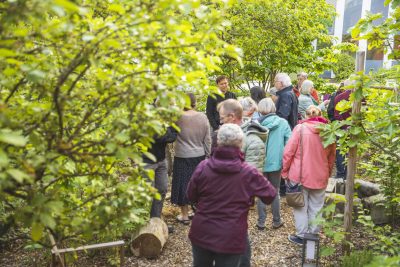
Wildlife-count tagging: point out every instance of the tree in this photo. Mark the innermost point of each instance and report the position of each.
(277, 36)
(77, 82)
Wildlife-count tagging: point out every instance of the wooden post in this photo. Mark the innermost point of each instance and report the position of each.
(352, 161)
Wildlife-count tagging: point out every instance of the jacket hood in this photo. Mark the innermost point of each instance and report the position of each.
(270, 121)
(254, 127)
(225, 159)
(312, 123)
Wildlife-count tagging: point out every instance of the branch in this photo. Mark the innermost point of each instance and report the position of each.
(19, 83)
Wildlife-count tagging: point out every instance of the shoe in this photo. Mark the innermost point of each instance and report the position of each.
(295, 239)
(182, 221)
(171, 229)
(191, 215)
(260, 228)
(277, 226)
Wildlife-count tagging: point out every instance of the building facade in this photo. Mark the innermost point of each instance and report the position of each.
(349, 12)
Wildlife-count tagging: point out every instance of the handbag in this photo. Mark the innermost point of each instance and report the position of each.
(294, 191)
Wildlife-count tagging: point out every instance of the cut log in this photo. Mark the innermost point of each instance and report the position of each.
(150, 239)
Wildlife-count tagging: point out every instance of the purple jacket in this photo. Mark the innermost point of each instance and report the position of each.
(224, 187)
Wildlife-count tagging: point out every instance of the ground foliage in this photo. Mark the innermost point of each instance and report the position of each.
(77, 83)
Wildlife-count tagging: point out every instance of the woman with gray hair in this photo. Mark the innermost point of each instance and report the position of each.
(279, 134)
(306, 100)
(224, 187)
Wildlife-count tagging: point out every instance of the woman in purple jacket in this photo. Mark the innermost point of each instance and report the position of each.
(224, 188)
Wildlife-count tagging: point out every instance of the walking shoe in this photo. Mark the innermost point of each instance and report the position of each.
(295, 239)
(260, 228)
(279, 225)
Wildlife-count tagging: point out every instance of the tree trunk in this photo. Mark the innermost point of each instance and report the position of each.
(150, 239)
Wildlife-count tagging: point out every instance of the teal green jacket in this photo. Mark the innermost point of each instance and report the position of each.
(279, 134)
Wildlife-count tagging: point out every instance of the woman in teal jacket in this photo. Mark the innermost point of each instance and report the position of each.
(279, 134)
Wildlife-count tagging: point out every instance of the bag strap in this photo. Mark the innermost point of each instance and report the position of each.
(301, 152)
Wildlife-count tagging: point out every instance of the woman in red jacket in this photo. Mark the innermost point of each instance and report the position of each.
(306, 161)
(223, 188)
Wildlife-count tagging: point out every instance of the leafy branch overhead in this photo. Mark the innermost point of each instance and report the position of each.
(77, 81)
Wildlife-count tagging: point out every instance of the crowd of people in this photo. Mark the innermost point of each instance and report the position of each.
(244, 152)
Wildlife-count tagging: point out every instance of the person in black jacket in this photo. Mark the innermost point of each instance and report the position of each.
(160, 168)
(287, 103)
(213, 101)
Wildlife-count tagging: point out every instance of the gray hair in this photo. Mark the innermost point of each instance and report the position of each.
(302, 74)
(284, 79)
(248, 104)
(349, 82)
(266, 106)
(230, 135)
(306, 87)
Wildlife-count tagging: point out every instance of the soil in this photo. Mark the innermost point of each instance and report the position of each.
(270, 247)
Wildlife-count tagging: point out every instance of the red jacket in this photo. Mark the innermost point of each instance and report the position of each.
(317, 161)
(224, 188)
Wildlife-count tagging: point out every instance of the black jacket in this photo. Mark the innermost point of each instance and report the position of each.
(158, 148)
(211, 108)
(287, 106)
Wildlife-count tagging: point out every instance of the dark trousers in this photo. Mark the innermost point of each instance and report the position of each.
(245, 259)
(341, 167)
(207, 258)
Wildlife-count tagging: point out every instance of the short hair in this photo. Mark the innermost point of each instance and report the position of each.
(266, 106)
(313, 111)
(306, 87)
(257, 93)
(220, 78)
(230, 134)
(302, 74)
(192, 98)
(248, 104)
(349, 82)
(284, 79)
(231, 106)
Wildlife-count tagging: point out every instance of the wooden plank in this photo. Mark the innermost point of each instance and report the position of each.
(88, 247)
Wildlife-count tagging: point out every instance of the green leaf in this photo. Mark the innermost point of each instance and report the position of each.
(47, 220)
(18, 175)
(3, 158)
(12, 138)
(37, 231)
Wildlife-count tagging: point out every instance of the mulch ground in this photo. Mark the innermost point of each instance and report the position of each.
(269, 247)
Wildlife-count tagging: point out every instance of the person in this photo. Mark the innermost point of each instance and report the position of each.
(306, 100)
(287, 103)
(257, 93)
(279, 134)
(341, 166)
(159, 167)
(286, 107)
(223, 188)
(272, 93)
(193, 144)
(255, 135)
(301, 77)
(330, 110)
(231, 111)
(307, 162)
(214, 100)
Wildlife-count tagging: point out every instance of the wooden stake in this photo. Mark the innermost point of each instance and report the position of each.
(352, 162)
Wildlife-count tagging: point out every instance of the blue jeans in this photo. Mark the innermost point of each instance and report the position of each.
(161, 184)
(275, 179)
(206, 258)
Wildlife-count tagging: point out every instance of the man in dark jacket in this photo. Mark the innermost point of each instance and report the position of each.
(286, 107)
(213, 101)
(160, 168)
(287, 103)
